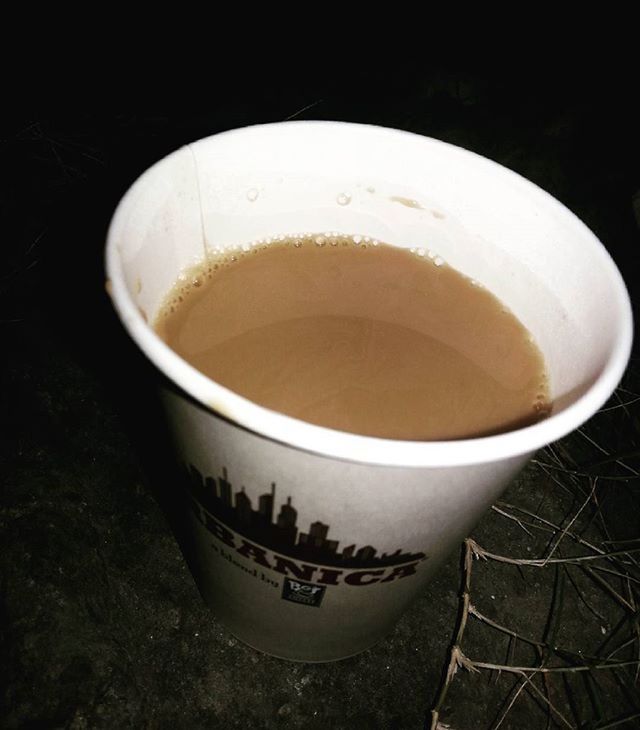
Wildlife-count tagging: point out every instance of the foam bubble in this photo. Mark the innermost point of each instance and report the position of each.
(252, 195)
(343, 199)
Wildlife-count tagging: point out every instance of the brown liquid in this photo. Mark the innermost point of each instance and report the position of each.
(370, 339)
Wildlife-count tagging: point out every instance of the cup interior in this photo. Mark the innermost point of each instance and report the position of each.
(317, 177)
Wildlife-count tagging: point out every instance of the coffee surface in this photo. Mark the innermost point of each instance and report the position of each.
(359, 337)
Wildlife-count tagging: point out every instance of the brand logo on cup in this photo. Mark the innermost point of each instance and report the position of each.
(276, 527)
(300, 592)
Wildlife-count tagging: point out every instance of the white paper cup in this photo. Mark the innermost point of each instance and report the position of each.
(311, 542)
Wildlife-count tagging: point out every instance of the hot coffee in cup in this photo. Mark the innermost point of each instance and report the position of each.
(351, 334)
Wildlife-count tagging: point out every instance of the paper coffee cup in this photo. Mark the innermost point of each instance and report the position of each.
(310, 542)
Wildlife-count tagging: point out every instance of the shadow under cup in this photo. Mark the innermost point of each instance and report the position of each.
(310, 543)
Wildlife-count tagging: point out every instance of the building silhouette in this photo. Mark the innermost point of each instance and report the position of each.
(237, 512)
(225, 488)
(366, 553)
(348, 552)
(265, 505)
(286, 523)
(243, 508)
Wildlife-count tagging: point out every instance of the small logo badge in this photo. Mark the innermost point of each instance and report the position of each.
(300, 592)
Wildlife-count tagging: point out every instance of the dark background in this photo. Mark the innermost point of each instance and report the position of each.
(101, 624)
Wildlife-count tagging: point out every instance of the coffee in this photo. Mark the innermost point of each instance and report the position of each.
(358, 336)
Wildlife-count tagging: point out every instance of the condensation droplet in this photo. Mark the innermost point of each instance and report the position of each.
(252, 195)
(343, 199)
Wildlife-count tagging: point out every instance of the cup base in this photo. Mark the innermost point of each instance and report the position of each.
(296, 660)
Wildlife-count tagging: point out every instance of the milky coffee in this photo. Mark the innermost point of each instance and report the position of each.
(358, 336)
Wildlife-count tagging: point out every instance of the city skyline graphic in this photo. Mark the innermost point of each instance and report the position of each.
(236, 511)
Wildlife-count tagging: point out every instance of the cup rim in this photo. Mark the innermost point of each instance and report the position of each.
(354, 447)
